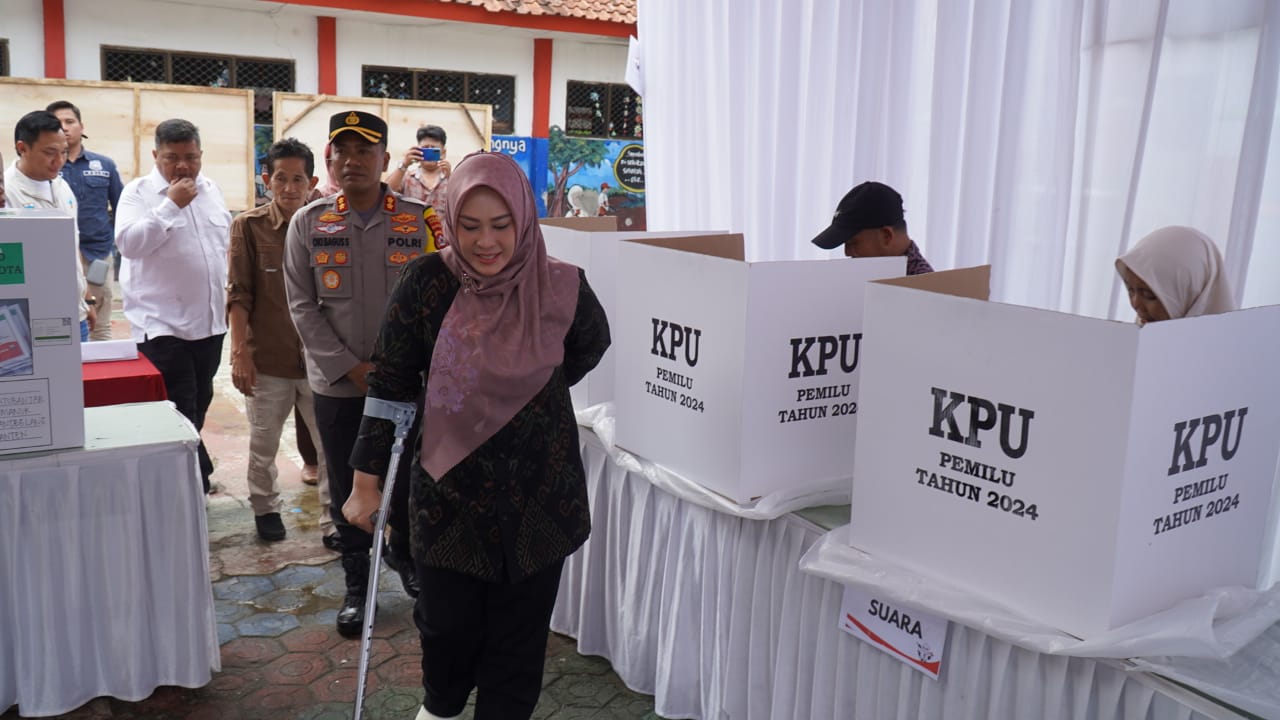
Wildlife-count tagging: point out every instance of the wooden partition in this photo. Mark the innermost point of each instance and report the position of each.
(306, 117)
(120, 121)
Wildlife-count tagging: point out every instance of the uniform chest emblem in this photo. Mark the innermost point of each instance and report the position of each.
(398, 258)
(332, 279)
(340, 257)
(405, 229)
(330, 217)
(322, 257)
(403, 218)
(330, 228)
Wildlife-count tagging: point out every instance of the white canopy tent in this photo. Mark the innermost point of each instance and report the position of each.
(1042, 137)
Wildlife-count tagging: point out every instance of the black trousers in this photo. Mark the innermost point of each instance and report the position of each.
(338, 424)
(188, 367)
(484, 635)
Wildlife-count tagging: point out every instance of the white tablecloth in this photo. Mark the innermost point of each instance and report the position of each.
(710, 613)
(104, 565)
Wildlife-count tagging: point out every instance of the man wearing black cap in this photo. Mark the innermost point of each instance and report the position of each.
(869, 222)
(343, 255)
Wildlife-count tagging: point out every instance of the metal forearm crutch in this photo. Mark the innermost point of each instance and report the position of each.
(402, 414)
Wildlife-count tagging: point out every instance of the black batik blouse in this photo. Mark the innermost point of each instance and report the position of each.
(516, 504)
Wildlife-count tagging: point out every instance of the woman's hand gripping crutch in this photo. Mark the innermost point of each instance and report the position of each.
(402, 414)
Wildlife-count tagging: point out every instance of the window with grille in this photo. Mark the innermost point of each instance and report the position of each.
(264, 76)
(603, 110)
(4, 57)
(497, 91)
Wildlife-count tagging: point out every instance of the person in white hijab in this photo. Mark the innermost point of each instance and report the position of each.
(1175, 272)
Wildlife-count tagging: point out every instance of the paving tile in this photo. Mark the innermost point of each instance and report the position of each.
(299, 576)
(400, 671)
(340, 685)
(582, 691)
(296, 669)
(229, 611)
(310, 638)
(287, 600)
(250, 652)
(267, 624)
(276, 700)
(226, 633)
(348, 654)
(242, 587)
(394, 702)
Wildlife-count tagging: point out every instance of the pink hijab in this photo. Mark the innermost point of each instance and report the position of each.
(503, 335)
(1184, 269)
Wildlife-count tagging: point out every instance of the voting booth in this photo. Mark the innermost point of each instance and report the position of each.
(41, 394)
(591, 243)
(740, 376)
(1084, 472)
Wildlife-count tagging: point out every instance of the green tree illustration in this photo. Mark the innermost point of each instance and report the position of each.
(566, 156)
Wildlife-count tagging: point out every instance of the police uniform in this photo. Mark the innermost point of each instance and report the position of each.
(339, 271)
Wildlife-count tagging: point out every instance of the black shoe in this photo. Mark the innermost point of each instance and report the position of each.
(351, 616)
(333, 542)
(404, 568)
(270, 527)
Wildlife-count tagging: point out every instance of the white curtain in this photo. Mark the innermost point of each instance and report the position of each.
(1042, 137)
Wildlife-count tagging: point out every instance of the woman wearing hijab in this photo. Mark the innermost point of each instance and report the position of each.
(498, 494)
(1175, 272)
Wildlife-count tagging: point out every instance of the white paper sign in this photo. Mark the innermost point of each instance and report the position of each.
(915, 638)
(635, 71)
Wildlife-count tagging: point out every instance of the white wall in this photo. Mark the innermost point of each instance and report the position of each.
(22, 24)
(289, 33)
(585, 61)
(285, 35)
(438, 46)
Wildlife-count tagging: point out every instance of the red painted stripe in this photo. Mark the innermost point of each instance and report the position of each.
(436, 10)
(932, 667)
(542, 87)
(55, 40)
(327, 54)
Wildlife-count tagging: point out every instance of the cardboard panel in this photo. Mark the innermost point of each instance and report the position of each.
(1202, 458)
(41, 392)
(679, 365)
(597, 254)
(120, 120)
(306, 117)
(706, 345)
(804, 349)
(1023, 453)
(606, 223)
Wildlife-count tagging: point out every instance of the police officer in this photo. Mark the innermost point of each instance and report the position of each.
(344, 253)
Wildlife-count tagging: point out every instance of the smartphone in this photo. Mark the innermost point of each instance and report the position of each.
(97, 272)
(430, 154)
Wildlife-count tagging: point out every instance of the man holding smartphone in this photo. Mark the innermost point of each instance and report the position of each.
(423, 174)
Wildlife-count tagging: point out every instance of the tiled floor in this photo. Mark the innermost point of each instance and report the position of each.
(281, 656)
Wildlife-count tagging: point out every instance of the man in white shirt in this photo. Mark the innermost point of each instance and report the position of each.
(33, 182)
(173, 229)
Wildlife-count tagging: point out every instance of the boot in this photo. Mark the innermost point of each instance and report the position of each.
(351, 614)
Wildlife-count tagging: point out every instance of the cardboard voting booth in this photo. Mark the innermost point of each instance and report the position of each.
(742, 377)
(41, 393)
(1084, 472)
(591, 243)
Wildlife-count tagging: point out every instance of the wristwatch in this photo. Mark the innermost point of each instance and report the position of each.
(403, 167)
